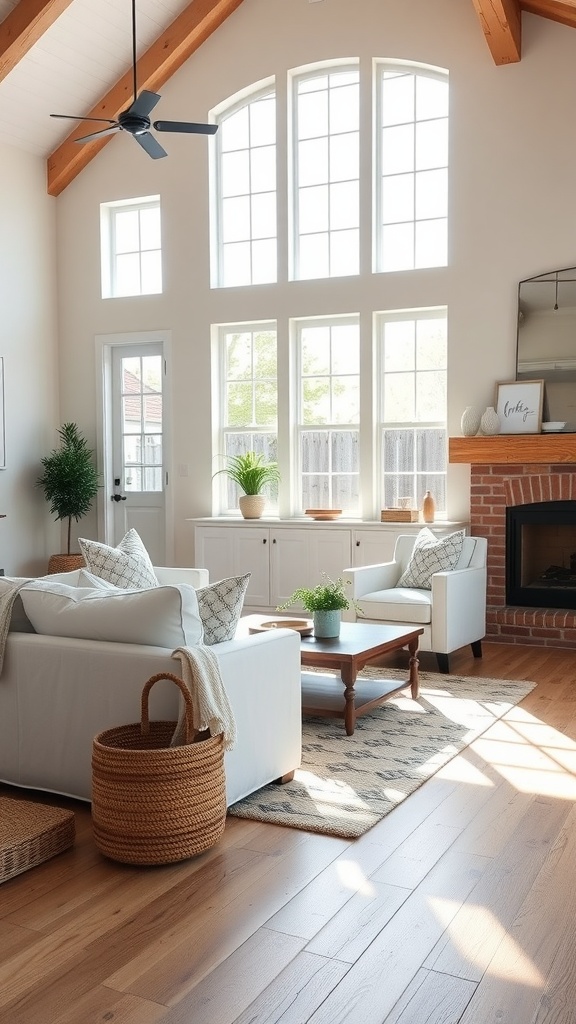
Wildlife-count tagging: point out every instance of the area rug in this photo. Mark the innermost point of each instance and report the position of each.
(348, 783)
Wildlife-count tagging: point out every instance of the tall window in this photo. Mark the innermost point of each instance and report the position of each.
(412, 168)
(246, 167)
(329, 414)
(326, 132)
(249, 398)
(131, 247)
(412, 406)
(141, 397)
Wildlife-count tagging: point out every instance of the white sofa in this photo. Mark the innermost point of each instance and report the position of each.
(57, 693)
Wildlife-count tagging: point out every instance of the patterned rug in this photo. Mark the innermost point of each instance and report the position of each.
(348, 783)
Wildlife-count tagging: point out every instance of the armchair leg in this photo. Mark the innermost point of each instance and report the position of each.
(477, 648)
(443, 663)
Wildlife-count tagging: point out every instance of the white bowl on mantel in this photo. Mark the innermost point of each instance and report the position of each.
(553, 426)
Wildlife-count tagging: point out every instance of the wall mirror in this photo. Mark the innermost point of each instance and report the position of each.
(546, 345)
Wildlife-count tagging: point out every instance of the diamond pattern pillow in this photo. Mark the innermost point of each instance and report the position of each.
(220, 606)
(431, 554)
(128, 565)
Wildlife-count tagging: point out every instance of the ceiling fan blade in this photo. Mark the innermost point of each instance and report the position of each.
(189, 127)
(80, 117)
(151, 145)
(144, 103)
(99, 135)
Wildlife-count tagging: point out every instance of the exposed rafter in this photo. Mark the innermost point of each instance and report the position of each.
(562, 11)
(502, 26)
(23, 27)
(172, 48)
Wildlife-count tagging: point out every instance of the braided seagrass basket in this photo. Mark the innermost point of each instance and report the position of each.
(153, 803)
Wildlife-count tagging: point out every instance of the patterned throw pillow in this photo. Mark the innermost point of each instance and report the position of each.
(220, 607)
(431, 554)
(128, 565)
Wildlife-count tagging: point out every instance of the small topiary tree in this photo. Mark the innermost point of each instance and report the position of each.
(70, 479)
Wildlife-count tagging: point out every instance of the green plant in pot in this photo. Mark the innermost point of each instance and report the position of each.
(252, 472)
(70, 482)
(325, 602)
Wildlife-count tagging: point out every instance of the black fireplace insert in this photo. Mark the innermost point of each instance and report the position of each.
(541, 554)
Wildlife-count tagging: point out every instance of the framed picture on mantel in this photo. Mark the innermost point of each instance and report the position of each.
(519, 406)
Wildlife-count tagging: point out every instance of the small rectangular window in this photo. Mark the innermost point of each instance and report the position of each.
(131, 247)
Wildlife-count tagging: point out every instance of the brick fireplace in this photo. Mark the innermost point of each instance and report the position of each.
(509, 470)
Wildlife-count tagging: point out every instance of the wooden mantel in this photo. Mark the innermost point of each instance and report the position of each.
(513, 449)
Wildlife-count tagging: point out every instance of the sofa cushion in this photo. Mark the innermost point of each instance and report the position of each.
(128, 565)
(159, 616)
(431, 554)
(398, 605)
(220, 606)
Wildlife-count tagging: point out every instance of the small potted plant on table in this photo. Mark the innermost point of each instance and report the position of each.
(252, 472)
(325, 602)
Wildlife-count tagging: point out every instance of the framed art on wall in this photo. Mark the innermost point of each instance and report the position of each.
(519, 406)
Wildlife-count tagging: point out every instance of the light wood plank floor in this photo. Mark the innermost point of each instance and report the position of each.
(460, 906)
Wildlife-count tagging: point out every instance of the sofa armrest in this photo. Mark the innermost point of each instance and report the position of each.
(169, 574)
(458, 608)
(365, 579)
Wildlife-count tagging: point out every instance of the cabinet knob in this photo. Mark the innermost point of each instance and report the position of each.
(357, 543)
(274, 540)
(264, 540)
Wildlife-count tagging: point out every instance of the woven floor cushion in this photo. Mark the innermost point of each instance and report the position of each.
(30, 834)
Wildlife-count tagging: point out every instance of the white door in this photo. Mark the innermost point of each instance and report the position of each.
(136, 488)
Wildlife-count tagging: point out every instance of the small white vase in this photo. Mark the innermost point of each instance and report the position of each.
(470, 422)
(490, 422)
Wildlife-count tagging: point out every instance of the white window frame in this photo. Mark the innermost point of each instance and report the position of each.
(380, 68)
(108, 254)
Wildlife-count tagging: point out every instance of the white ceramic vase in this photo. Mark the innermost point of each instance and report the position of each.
(470, 422)
(490, 422)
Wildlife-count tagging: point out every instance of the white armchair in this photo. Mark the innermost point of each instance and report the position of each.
(452, 614)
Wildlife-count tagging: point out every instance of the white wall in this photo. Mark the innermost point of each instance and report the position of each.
(513, 163)
(29, 347)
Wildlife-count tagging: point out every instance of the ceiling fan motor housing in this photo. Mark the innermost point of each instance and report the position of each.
(136, 124)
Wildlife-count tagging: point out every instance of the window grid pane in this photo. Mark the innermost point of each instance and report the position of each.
(327, 175)
(141, 398)
(135, 249)
(329, 357)
(413, 170)
(412, 403)
(246, 158)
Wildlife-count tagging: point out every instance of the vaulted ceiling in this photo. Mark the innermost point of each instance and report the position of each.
(57, 52)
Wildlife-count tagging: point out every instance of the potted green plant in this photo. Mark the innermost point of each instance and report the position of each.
(252, 472)
(70, 482)
(325, 602)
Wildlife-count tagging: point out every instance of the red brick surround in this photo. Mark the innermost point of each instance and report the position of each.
(493, 487)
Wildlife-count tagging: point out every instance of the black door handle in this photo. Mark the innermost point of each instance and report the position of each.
(117, 497)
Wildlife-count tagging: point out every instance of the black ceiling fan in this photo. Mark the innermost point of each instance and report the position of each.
(136, 121)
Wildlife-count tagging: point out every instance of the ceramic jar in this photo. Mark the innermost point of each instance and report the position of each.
(490, 422)
(470, 422)
(428, 507)
(327, 623)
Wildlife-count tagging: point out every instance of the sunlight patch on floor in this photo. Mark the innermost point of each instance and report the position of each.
(352, 877)
(461, 770)
(532, 756)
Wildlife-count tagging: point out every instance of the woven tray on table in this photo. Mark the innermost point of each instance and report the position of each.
(31, 833)
(153, 803)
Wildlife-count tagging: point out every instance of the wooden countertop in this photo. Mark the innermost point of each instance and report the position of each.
(513, 449)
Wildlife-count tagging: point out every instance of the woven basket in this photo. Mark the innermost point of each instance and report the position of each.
(153, 803)
(65, 563)
(31, 833)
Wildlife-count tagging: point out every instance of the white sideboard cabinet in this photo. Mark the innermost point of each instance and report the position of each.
(284, 555)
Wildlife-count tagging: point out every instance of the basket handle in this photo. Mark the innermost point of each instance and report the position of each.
(189, 707)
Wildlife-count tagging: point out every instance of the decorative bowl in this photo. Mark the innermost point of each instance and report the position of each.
(302, 626)
(323, 513)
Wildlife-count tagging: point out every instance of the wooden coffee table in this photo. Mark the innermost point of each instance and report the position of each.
(358, 644)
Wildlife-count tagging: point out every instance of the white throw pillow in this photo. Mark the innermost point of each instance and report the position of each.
(431, 554)
(159, 617)
(88, 579)
(220, 607)
(128, 565)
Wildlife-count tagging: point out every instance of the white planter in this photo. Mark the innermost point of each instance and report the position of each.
(252, 505)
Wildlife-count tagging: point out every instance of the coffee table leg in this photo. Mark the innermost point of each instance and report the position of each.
(349, 678)
(414, 679)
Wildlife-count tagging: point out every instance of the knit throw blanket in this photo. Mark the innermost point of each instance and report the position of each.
(201, 673)
(9, 590)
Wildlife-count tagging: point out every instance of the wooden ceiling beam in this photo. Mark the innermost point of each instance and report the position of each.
(172, 48)
(502, 26)
(23, 27)
(562, 11)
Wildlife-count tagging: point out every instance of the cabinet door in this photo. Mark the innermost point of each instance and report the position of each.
(233, 551)
(299, 557)
(372, 547)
